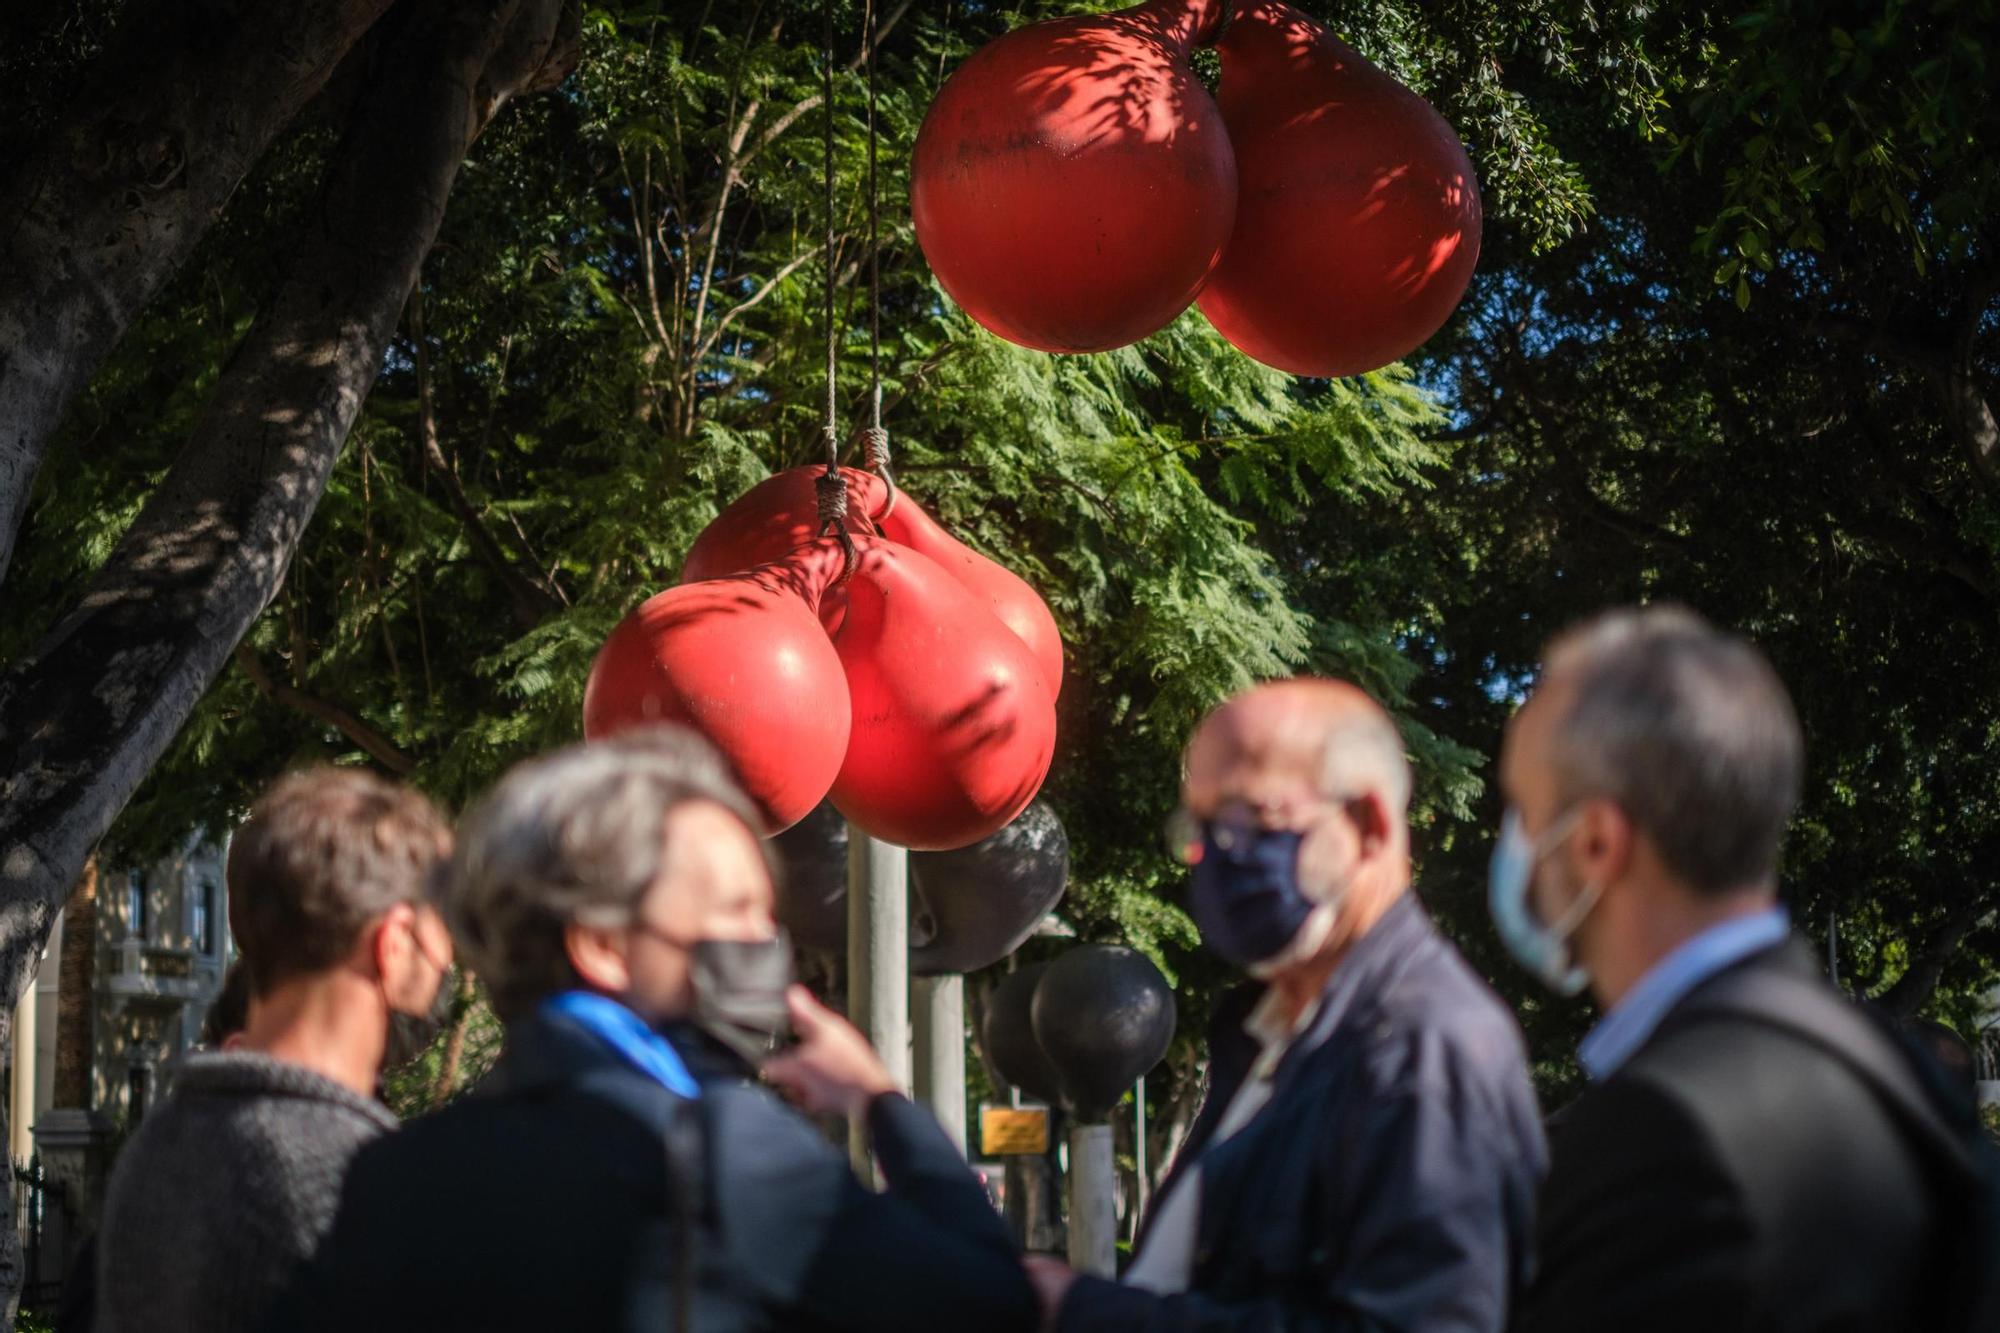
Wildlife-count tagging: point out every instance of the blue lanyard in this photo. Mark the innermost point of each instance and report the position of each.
(627, 1034)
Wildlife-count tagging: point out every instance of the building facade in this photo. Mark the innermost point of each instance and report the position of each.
(158, 944)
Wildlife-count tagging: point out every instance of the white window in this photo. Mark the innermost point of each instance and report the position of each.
(135, 904)
(203, 926)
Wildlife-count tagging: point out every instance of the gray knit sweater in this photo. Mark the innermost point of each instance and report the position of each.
(227, 1187)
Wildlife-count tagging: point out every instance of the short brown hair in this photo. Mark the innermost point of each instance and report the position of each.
(325, 852)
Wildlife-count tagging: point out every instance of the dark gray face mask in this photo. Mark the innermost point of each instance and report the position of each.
(739, 993)
(410, 1035)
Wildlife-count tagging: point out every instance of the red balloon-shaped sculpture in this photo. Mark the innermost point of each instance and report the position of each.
(744, 661)
(1357, 219)
(954, 725)
(1019, 607)
(1073, 183)
(776, 516)
(779, 513)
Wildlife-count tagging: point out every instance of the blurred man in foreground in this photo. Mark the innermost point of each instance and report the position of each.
(620, 1171)
(1746, 1157)
(1369, 1150)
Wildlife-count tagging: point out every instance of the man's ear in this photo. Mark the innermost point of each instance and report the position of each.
(598, 955)
(1369, 814)
(1602, 847)
(387, 940)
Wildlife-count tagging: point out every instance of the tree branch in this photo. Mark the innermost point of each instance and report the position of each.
(533, 602)
(750, 302)
(1968, 414)
(736, 161)
(92, 224)
(1969, 417)
(86, 712)
(1928, 960)
(815, 100)
(446, 1083)
(383, 750)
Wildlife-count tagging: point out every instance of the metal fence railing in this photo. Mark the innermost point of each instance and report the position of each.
(38, 1216)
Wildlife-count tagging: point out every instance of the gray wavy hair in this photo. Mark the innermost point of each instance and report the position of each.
(576, 836)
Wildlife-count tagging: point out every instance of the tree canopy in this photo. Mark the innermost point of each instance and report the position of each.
(1732, 342)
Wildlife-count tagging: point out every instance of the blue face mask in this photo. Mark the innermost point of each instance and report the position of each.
(1543, 949)
(1245, 893)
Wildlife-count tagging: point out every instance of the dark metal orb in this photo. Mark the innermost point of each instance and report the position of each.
(969, 908)
(972, 907)
(812, 879)
(1102, 1015)
(1007, 1036)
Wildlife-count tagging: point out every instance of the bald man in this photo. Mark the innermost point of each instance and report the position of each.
(1370, 1147)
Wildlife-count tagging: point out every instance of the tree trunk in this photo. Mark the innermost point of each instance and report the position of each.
(76, 975)
(1913, 989)
(86, 713)
(171, 118)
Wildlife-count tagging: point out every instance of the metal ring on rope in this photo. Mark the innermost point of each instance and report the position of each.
(875, 457)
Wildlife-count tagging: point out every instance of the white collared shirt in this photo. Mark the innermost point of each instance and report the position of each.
(1166, 1260)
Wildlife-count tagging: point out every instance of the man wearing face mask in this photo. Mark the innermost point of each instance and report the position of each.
(232, 1181)
(1733, 1165)
(621, 1171)
(1369, 1150)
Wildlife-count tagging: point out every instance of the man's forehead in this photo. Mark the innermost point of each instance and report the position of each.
(1255, 753)
(1256, 747)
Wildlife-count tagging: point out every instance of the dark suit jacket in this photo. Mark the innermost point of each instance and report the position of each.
(1733, 1175)
(543, 1201)
(1390, 1181)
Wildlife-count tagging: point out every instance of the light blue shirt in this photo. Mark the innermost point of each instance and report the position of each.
(1620, 1033)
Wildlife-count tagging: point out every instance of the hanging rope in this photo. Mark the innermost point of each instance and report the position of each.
(875, 439)
(830, 487)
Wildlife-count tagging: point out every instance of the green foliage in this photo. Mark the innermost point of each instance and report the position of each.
(619, 328)
(436, 1076)
(1882, 112)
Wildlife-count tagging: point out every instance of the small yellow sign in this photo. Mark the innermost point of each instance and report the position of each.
(1013, 1129)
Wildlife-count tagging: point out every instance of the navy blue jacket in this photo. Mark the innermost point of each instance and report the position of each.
(1390, 1181)
(545, 1200)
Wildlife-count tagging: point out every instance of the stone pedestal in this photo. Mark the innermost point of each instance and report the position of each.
(75, 1148)
(938, 1017)
(1093, 1208)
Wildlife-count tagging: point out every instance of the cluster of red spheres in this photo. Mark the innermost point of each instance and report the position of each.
(1075, 187)
(916, 690)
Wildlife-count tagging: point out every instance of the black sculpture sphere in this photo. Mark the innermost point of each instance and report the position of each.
(969, 908)
(812, 879)
(972, 907)
(1007, 1036)
(1102, 1015)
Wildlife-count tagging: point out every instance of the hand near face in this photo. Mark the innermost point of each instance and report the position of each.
(1052, 1279)
(833, 1069)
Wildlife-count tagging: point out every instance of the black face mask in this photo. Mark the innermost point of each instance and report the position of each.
(410, 1035)
(739, 993)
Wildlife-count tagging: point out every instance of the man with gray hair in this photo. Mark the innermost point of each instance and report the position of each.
(621, 1170)
(1369, 1150)
(1741, 1160)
